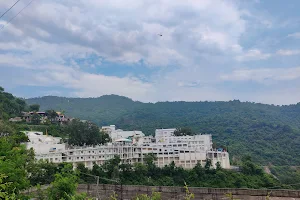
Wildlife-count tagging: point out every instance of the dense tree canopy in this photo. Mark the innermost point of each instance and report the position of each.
(251, 176)
(183, 131)
(244, 128)
(85, 133)
(51, 115)
(14, 159)
(34, 107)
(10, 106)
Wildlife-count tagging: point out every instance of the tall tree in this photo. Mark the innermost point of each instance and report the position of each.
(85, 133)
(52, 114)
(36, 119)
(34, 107)
(183, 131)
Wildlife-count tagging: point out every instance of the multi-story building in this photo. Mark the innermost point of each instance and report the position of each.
(184, 151)
(115, 134)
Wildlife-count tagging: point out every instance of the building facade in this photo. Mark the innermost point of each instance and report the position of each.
(184, 151)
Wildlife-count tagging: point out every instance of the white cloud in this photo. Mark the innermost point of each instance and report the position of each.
(200, 40)
(294, 35)
(287, 52)
(263, 74)
(253, 54)
(124, 33)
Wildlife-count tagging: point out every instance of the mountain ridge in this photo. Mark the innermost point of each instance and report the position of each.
(269, 133)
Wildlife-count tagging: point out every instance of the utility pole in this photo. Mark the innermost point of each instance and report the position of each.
(97, 185)
(97, 189)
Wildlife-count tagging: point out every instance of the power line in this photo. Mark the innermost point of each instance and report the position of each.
(3, 26)
(9, 9)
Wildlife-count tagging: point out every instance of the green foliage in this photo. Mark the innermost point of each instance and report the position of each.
(188, 194)
(154, 196)
(85, 133)
(113, 196)
(63, 187)
(171, 175)
(42, 172)
(13, 163)
(10, 106)
(230, 196)
(41, 195)
(183, 131)
(288, 175)
(34, 107)
(51, 115)
(5, 129)
(244, 128)
(36, 119)
(3, 187)
(14, 160)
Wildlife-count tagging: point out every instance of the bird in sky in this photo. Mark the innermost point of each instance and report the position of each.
(160, 35)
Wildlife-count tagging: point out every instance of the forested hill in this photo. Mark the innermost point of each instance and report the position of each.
(270, 134)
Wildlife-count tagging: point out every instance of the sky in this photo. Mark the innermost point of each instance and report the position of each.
(210, 50)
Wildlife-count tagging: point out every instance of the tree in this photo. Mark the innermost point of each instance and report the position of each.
(63, 186)
(34, 107)
(5, 129)
(52, 114)
(36, 119)
(218, 166)
(13, 163)
(85, 133)
(208, 165)
(183, 131)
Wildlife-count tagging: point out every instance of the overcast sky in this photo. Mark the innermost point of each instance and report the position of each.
(209, 49)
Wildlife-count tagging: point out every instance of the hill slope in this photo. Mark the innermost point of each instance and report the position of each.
(270, 134)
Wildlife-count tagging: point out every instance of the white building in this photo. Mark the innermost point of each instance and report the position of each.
(116, 134)
(185, 151)
(43, 144)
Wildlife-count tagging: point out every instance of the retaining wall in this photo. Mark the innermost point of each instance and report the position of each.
(129, 191)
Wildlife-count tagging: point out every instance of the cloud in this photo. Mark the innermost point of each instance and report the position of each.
(122, 33)
(65, 44)
(295, 35)
(253, 54)
(286, 52)
(87, 84)
(263, 75)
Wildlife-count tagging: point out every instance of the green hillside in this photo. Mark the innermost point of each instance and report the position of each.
(270, 134)
(10, 106)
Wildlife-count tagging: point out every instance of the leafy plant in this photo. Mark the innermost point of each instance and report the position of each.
(188, 194)
(154, 196)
